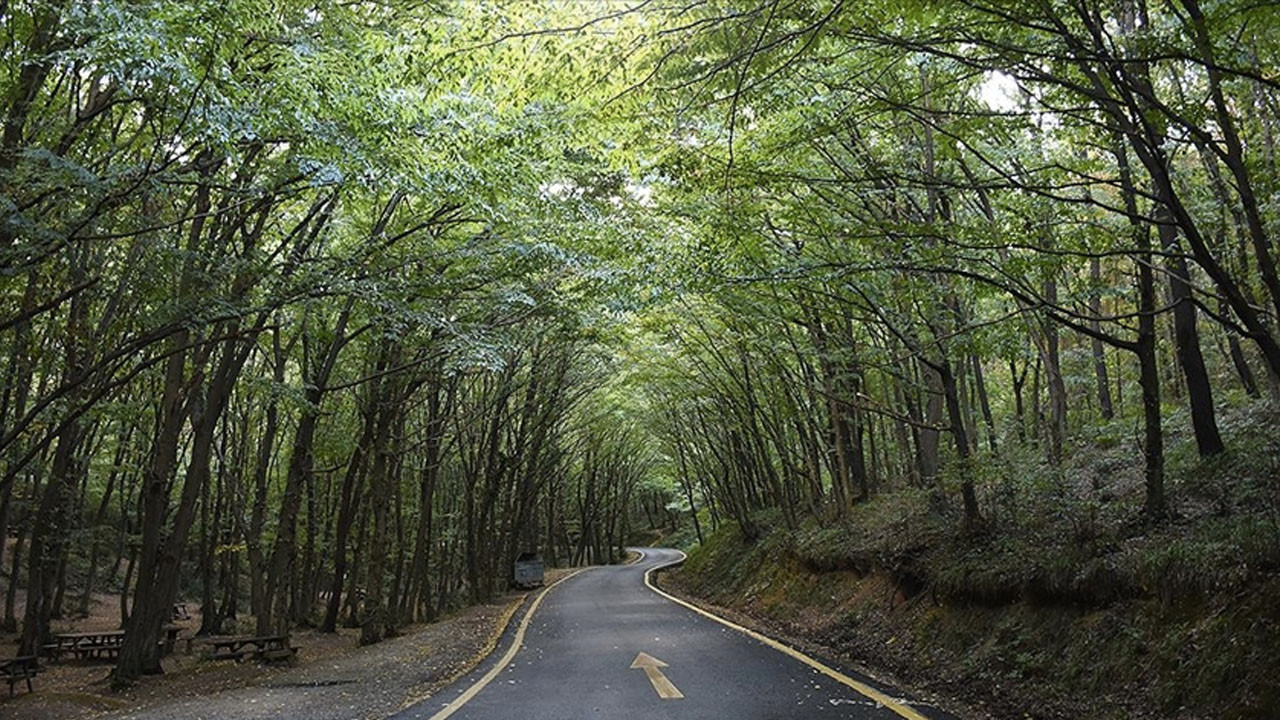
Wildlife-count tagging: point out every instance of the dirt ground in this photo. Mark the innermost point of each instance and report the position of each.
(333, 678)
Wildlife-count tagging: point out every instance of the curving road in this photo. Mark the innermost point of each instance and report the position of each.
(603, 645)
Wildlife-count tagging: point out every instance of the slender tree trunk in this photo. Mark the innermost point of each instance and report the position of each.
(346, 514)
(1241, 365)
(262, 468)
(955, 414)
(99, 518)
(1099, 353)
(985, 403)
(1155, 505)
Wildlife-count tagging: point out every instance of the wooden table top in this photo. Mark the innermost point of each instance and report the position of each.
(91, 634)
(169, 628)
(246, 639)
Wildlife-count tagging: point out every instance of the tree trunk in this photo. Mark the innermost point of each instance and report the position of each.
(1099, 354)
(1187, 340)
(346, 515)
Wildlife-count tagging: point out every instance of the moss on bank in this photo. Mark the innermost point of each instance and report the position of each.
(1145, 656)
(1067, 604)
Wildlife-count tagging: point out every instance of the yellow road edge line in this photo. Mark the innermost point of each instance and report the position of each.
(861, 688)
(510, 655)
(489, 646)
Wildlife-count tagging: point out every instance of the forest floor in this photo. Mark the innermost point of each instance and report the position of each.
(333, 678)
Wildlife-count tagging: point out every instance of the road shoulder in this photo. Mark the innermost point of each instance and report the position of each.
(498, 654)
(665, 579)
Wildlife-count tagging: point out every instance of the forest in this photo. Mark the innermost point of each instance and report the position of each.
(322, 313)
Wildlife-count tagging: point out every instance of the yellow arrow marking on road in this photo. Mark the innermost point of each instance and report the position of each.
(650, 665)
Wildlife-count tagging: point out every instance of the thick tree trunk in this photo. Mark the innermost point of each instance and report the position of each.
(374, 621)
(51, 532)
(928, 437)
(1187, 340)
(160, 568)
(48, 535)
(1057, 420)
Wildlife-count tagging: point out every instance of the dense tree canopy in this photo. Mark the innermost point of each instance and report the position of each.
(325, 312)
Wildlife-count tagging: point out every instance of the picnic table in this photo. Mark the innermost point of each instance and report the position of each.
(96, 645)
(265, 648)
(18, 669)
(102, 644)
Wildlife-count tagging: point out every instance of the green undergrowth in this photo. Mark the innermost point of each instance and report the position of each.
(684, 537)
(1065, 604)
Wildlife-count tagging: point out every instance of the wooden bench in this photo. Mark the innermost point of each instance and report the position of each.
(18, 669)
(287, 654)
(102, 644)
(265, 648)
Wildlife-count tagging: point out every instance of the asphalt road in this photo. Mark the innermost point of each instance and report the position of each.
(578, 651)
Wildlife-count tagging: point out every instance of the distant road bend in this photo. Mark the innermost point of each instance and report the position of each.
(602, 644)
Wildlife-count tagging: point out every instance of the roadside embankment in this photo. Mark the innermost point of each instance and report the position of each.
(1004, 626)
